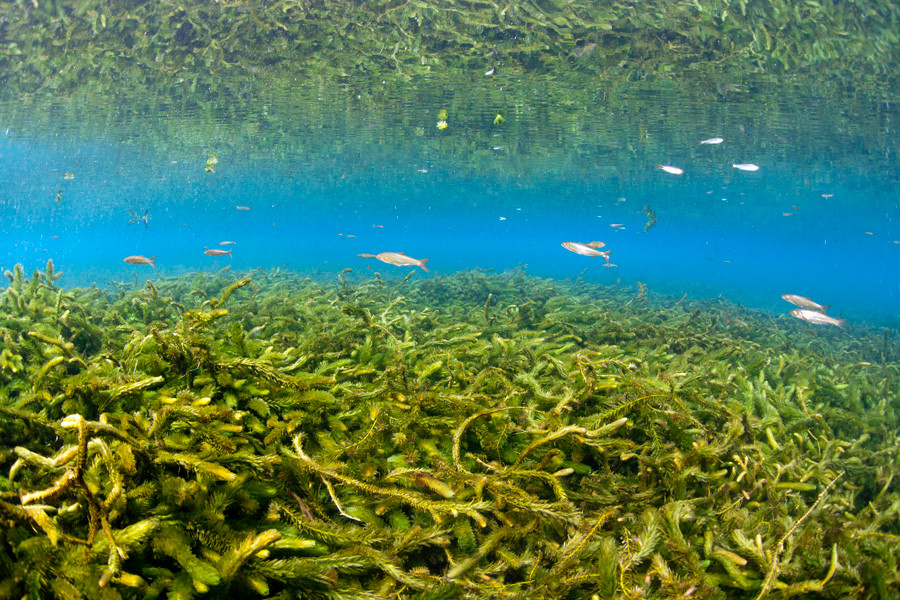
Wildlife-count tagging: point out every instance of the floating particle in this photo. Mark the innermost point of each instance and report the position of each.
(140, 218)
(651, 218)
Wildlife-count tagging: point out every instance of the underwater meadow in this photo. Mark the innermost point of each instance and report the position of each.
(449, 300)
(468, 436)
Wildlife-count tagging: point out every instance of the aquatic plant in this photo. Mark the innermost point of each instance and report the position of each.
(470, 436)
(66, 44)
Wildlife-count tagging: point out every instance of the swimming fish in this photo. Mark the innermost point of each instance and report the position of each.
(745, 166)
(140, 260)
(227, 243)
(712, 141)
(399, 259)
(804, 302)
(671, 169)
(814, 316)
(366, 255)
(589, 249)
(217, 252)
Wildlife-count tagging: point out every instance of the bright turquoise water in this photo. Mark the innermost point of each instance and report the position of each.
(318, 169)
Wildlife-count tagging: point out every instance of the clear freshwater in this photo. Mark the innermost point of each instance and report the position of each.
(818, 219)
(211, 387)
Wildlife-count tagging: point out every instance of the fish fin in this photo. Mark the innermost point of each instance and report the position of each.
(840, 323)
(596, 244)
(228, 253)
(825, 308)
(152, 258)
(422, 264)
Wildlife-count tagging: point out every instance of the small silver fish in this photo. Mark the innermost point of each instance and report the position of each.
(745, 166)
(217, 252)
(814, 316)
(399, 259)
(671, 169)
(804, 302)
(715, 140)
(589, 249)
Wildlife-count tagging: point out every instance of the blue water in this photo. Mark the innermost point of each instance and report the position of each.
(371, 179)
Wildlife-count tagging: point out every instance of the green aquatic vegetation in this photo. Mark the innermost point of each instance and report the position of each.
(372, 437)
(201, 43)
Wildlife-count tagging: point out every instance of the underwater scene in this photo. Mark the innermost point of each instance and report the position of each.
(438, 300)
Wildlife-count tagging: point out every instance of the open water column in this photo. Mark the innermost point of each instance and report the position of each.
(440, 300)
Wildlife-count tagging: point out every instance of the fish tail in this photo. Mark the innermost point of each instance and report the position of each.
(422, 264)
(152, 258)
(228, 253)
(825, 308)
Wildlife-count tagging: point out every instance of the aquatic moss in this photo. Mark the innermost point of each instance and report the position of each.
(378, 438)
